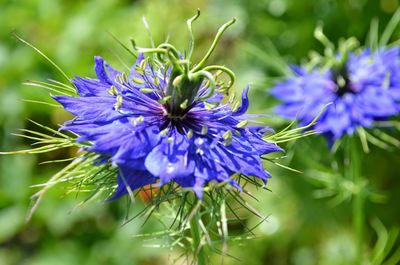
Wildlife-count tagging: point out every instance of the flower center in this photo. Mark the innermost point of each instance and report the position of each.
(343, 83)
(182, 91)
(184, 85)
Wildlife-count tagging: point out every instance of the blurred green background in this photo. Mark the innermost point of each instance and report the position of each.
(301, 229)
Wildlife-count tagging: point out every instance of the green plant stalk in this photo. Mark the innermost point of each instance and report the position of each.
(358, 200)
(199, 252)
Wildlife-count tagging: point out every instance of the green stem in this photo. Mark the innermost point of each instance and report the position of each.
(199, 253)
(358, 197)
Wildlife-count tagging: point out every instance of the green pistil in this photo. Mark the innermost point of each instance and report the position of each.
(187, 78)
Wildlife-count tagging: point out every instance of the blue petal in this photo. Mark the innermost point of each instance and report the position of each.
(298, 70)
(245, 103)
(90, 108)
(246, 163)
(260, 145)
(170, 160)
(135, 145)
(100, 70)
(378, 103)
(90, 87)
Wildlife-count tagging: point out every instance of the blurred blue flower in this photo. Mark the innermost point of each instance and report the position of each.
(129, 119)
(363, 89)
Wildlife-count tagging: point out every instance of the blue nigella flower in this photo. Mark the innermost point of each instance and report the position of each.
(364, 89)
(156, 133)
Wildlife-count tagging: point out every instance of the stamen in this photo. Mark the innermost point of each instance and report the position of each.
(232, 98)
(209, 106)
(184, 104)
(386, 81)
(124, 77)
(164, 100)
(242, 124)
(190, 133)
(156, 81)
(146, 90)
(140, 118)
(118, 105)
(236, 106)
(139, 70)
(138, 80)
(164, 132)
(227, 137)
(120, 79)
(204, 129)
(112, 91)
(137, 120)
(143, 65)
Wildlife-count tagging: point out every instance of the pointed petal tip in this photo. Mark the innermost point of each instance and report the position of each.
(245, 102)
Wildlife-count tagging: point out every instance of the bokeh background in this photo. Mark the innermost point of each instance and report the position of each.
(300, 229)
